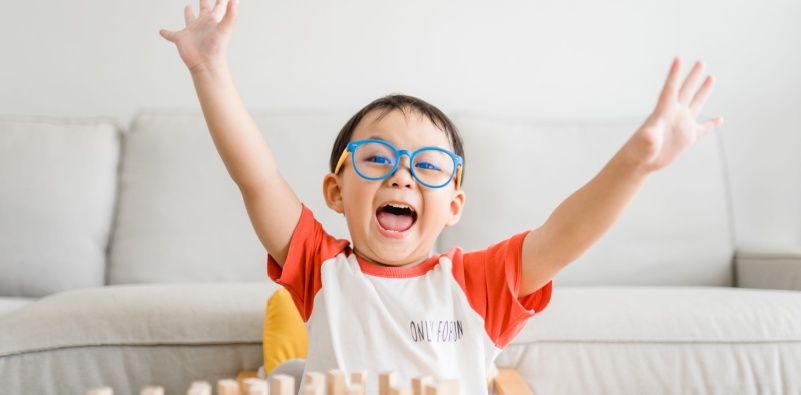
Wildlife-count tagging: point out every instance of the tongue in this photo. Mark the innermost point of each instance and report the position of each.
(397, 223)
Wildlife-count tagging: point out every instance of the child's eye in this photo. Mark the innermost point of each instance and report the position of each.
(427, 166)
(381, 160)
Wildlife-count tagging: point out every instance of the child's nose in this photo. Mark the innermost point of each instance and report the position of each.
(403, 174)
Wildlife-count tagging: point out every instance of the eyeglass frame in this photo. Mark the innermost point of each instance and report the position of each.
(456, 174)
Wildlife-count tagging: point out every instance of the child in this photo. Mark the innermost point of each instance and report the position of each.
(385, 303)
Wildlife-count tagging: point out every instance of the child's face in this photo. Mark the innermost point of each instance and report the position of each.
(378, 233)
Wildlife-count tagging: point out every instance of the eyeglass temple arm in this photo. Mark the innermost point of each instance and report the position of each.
(341, 160)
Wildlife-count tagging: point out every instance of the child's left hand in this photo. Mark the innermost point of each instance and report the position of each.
(672, 127)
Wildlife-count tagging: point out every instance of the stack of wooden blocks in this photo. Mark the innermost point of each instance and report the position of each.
(335, 383)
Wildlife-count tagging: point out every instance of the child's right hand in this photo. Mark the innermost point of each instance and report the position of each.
(203, 43)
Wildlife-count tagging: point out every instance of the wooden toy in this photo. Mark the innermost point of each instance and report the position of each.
(508, 382)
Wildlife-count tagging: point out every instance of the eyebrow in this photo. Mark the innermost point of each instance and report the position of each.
(393, 144)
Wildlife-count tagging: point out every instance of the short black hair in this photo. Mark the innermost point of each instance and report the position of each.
(402, 103)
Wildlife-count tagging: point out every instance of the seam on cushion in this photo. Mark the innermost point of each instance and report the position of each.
(122, 140)
(165, 344)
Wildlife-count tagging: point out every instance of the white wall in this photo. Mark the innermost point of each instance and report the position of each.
(523, 58)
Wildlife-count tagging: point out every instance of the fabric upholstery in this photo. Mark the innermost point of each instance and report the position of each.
(662, 340)
(58, 180)
(84, 338)
(125, 368)
(769, 268)
(11, 304)
(181, 217)
(138, 314)
(676, 230)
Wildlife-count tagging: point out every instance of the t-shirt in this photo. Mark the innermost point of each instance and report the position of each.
(448, 317)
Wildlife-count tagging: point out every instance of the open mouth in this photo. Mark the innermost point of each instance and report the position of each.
(396, 217)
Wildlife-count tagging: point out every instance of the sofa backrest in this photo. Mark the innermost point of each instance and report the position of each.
(181, 218)
(676, 231)
(58, 180)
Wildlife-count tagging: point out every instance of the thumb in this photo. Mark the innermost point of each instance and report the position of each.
(227, 23)
(168, 35)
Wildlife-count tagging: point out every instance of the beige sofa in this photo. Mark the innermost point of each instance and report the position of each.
(127, 259)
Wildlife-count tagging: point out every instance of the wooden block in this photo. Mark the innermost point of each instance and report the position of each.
(253, 386)
(355, 389)
(359, 378)
(312, 389)
(282, 384)
(448, 387)
(315, 378)
(336, 382)
(100, 391)
(386, 380)
(400, 391)
(418, 384)
(228, 387)
(152, 390)
(244, 375)
(198, 391)
(509, 382)
(445, 387)
(199, 388)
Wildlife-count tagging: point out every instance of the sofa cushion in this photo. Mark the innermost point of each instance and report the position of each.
(90, 337)
(662, 340)
(58, 180)
(676, 230)
(182, 218)
(11, 304)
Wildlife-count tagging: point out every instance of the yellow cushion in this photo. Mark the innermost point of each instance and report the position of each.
(285, 334)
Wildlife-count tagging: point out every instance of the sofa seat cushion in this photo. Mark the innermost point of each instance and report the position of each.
(662, 340)
(10, 304)
(98, 336)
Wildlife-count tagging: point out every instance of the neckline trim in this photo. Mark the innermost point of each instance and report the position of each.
(397, 272)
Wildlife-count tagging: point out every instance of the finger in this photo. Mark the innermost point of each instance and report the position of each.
(710, 125)
(189, 16)
(167, 34)
(205, 6)
(220, 8)
(227, 23)
(700, 97)
(690, 84)
(669, 92)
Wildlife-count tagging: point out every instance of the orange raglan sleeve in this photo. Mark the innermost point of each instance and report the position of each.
(491, 281)
(309, 247)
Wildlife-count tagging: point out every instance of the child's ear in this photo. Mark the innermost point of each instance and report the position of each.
(457, 204)
(332, 191)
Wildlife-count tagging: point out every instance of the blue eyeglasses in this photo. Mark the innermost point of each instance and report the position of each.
(375, 159)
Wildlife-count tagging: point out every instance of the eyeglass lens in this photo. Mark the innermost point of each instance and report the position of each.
(431, 166)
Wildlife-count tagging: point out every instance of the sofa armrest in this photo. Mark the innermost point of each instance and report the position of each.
(769, 267)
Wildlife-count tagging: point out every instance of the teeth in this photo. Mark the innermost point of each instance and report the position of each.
(396, 205)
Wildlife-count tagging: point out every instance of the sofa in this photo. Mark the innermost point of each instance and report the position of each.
(127, 258)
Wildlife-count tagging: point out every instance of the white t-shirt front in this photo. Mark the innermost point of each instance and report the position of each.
(448, 317)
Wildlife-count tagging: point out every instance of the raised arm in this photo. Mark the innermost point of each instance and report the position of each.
(587, 214)
(273, 208)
